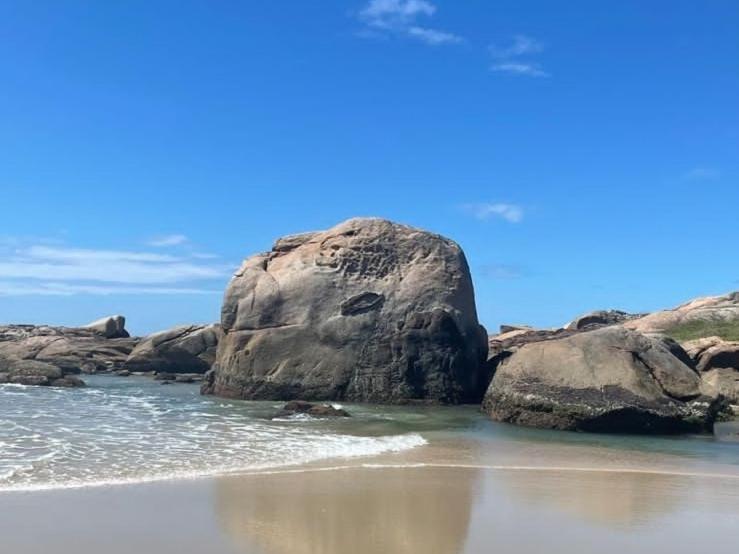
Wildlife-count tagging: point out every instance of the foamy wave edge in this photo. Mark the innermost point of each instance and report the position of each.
(382, 445)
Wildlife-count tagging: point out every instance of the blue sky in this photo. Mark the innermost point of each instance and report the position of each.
(584, 154)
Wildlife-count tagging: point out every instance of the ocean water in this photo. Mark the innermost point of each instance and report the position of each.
(128, 430)
(120, 430)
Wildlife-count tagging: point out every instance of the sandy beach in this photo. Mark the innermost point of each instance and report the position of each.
(452, 496)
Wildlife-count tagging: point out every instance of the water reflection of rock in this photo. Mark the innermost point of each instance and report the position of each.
(613, 499)
(356, 511)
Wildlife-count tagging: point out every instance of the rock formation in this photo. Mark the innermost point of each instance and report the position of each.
(718, 362)
(185, 349)
(607, 380)
(72, 350)
(32, 372)
(702, 317)
(600, 318)
(112, 327)
(367, 311)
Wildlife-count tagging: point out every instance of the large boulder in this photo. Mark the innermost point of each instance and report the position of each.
(369, 310)
(71, 349)
(185, 349)
(702, 317)
(111, 327)
(606, 380)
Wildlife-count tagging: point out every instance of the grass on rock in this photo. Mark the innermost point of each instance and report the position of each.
(727, 330)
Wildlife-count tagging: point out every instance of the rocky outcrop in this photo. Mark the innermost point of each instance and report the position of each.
(185, 349)
(32, 372)
(702, 317)
(111, 327)
(600, 318)
(72, 350)
(607, 380)
(367, 311)
(718, 362)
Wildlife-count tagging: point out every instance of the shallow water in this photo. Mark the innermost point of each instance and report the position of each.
(128, 430)
(120, 430)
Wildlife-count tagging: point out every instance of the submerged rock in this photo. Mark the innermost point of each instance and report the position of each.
(369, 310)
(606, 380)
(184, 349)
(315, 410)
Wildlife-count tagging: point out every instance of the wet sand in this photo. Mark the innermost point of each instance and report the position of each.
(455, 495)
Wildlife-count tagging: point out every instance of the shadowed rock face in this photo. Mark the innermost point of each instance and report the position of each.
(186, 349)
(367, 311)
(606, 380)
(718, 362)
(600, 318)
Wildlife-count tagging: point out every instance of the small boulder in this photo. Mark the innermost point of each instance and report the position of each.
(600, 318)
(111, 327)
(316, 410)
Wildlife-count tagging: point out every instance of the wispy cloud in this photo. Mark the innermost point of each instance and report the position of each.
(401, 17)
(517, 68)
(509, 212)
(62, 270)
(702, 174)
(513, 58)
(501, 271)
(167, 240)
(10, 288)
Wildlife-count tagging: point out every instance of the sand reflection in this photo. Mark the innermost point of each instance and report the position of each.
(355, 510)
(612, 499)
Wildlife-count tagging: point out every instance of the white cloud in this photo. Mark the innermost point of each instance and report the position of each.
(58, 270)
(522, 46)
(10, 288)
(401, 17)
(168, 240)
(509, 212)
(432, 36)
(702, 174)
(532, 70)
(512, 59)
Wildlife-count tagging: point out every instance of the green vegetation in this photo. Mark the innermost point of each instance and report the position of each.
(727, 330)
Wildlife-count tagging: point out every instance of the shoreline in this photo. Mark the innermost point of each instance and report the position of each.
(458, 452)
(395, 506)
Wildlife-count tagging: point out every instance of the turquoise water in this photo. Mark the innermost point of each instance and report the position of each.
(125, 430)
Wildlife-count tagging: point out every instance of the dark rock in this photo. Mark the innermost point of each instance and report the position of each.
(163, 376)
(504, 329)
(123, 373)
(185, 349)
(600, 318)
(606, 380)
(367, 311)
(316, 410)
